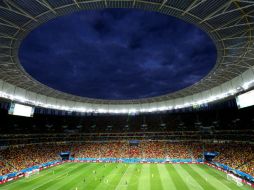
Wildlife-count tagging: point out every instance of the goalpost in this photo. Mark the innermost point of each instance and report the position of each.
(237, 180)
(31, 173)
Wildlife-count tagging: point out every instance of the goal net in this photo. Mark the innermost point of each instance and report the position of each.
(237, 180)
(31, 173)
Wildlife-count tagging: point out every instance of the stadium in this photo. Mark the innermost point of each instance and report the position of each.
(126, 94)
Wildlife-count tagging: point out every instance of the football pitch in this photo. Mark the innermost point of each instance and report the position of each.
(118, 176)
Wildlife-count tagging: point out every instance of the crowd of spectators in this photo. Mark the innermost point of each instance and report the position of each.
(4, 168)
(240, 156)
(248, 168)
(233, 155)
(14, 159)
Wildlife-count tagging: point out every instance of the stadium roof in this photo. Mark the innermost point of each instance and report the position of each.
(228, 22)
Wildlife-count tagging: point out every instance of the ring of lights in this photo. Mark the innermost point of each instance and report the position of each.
(229, 24)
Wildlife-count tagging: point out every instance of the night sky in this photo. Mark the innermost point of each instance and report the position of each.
(117, 54)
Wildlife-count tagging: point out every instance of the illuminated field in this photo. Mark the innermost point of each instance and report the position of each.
(97, 176)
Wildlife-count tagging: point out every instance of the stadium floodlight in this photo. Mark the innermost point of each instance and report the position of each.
(133, 111)
(123, 111)
(142, 110)
(163, 124)
(20, 99)
(79, 126)
(65, 108)
(81, 109)
(65, 126)
(151, 110)
(232, 91)
(115, 111)
(101, 111)
(48, 126)
(88, 109)
(187, 104)
(178, 106)
(248, 84)
(169, 108)
(112, 111)
(162, 108)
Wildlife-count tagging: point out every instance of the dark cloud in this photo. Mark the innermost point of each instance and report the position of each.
(117, 54)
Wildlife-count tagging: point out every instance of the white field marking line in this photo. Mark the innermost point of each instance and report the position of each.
(112, 173)
(90, 177)
(191, 184)
(166, 179)
(60, 176)
(28, 180)
(222, 174)
(67, 172)
(10, 183)
(129, 170)
(57, 177)
(77, 175)
(23, 179)
(209, 176)
(189, 180)
(145, 178)
(45, 172)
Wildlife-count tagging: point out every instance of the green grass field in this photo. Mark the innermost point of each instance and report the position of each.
(98, 176)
